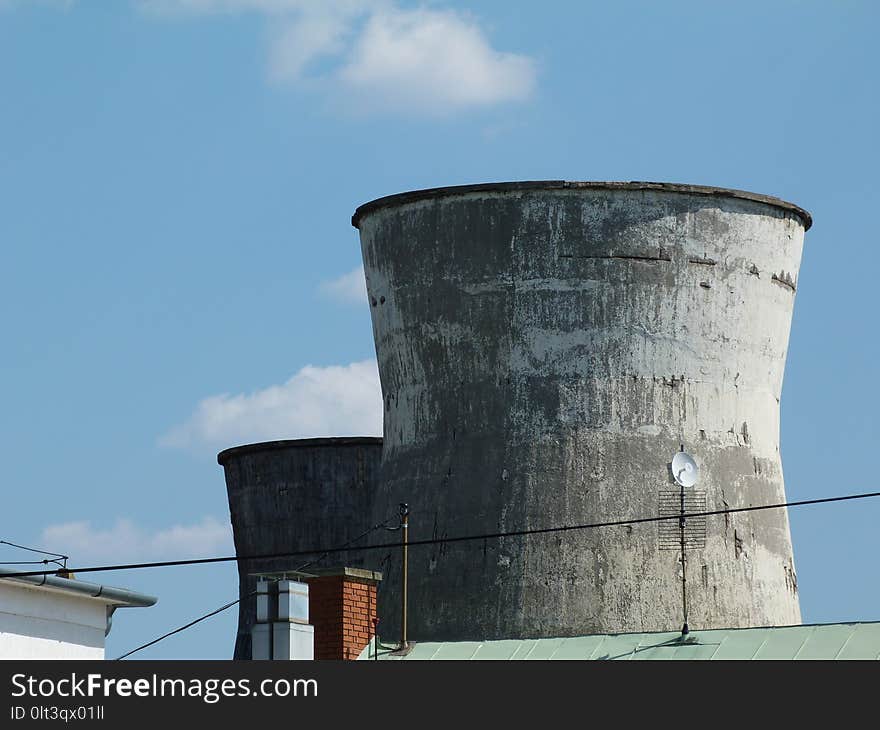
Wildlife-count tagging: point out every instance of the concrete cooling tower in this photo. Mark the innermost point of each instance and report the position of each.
(545, 348)
(286, 496)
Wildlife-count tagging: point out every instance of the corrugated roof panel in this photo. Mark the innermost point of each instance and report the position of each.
(456, 650)
(544, 648)
(644, 652)
(622, 646)
(863, 644)
(650, 646)
(526, 646)
(740, 644)
(825, 642)
(420, 651)
(578, 647)
(497, 649)
(669, 645)
(695, 651)
(784, 642)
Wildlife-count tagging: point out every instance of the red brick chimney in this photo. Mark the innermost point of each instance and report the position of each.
(342, 607)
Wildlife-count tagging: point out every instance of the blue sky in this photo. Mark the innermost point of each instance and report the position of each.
(177, 179)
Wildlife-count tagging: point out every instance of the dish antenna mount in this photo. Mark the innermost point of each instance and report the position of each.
(685, 472)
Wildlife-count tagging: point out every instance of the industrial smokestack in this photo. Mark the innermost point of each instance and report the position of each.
(545, 348)
(286, 496)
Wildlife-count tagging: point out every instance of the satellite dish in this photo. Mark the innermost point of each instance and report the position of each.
(684, 469)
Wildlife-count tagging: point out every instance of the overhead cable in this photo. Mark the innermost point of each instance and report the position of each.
(448, 540)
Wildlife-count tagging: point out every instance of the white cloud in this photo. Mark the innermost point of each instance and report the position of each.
(338, 400)
(350, 288)
(380, 56)
(296, 45)
(438, 60)
(126, 542)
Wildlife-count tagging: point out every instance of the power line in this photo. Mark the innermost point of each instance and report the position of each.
(185, 626)
(60, 559)
(448, 540)
(372, 529)
(249, 595)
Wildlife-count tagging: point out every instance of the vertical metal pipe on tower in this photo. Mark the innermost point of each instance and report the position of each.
(544, 350)
(286, 496)
(404, 558)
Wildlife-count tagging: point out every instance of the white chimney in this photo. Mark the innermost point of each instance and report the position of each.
(282, 631)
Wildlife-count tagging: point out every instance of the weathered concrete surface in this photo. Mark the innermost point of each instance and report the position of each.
(297, 495)
(544, 349)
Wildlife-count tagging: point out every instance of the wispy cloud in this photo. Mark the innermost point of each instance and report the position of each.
(381, 55)
(438, 61)
(338, 400)
(318, 31)
(350, 288)
(125, 541)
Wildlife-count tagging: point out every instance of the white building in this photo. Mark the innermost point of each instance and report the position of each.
(48, 617)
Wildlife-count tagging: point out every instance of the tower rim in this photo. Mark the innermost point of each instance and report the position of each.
(335, 441)
(536, 185)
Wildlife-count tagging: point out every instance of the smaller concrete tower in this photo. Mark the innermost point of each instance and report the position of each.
(286, 496)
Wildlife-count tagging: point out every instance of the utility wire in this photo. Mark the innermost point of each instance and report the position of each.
(460, 538)
(346, 545)
(58, 556)
(185, 626)
(249, 595)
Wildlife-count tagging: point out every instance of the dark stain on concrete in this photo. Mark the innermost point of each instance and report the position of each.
(785, 280)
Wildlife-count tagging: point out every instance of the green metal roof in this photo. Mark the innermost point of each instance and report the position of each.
(816, 641)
